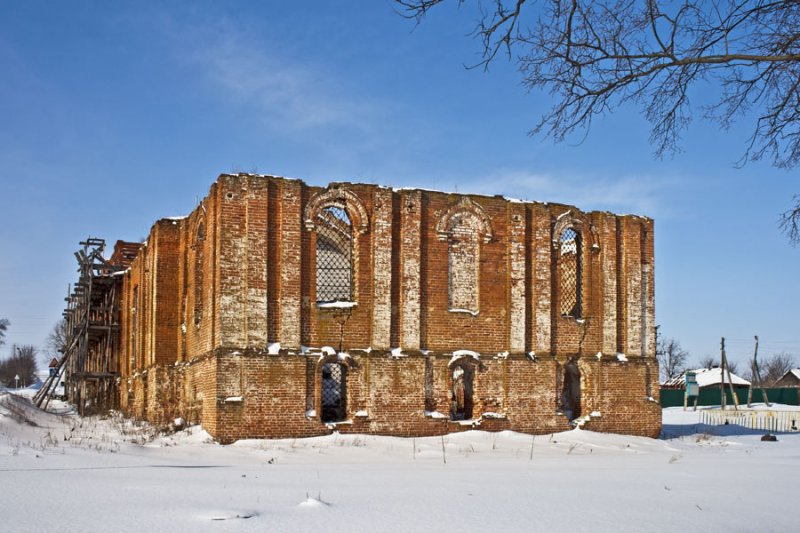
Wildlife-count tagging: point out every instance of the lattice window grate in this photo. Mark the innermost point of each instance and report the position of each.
(334, 256)
(569, 272)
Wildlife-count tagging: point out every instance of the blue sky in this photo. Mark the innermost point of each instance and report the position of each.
(115, 114)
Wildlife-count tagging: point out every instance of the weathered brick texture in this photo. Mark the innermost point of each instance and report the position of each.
(221, 323)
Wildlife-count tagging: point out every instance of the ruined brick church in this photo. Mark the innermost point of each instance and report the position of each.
(280, 309)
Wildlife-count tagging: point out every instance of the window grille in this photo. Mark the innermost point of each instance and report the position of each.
(334, 392)
(569, 272)
(334, 256)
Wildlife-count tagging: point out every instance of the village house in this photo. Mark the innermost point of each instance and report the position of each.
(280, 309)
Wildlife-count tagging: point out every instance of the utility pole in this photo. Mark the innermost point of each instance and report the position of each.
(722, 373)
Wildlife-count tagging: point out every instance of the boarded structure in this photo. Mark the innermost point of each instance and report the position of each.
(279, 309)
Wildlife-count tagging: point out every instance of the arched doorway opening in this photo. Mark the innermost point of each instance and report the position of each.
(334, 392)
(571, 391)
(461, 392)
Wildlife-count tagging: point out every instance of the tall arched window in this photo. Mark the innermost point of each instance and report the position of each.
(199, 254)
(334, 255)
(570, 272)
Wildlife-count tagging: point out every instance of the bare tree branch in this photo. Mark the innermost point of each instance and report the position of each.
(790, 222)
(593, 56)
(775, 367)
(672, 359)
(22, 363)
(4, 323)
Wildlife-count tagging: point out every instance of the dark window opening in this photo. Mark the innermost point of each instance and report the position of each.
(570, 273)
(430, 401)
(199, 248)
(334, 392)
(461, 393)
(134, 328)
(571, 391)
(334, 256)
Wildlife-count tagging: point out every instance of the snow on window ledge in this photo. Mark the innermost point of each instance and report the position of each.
(334, 425)
(458, 354)
(361, 414)
(474, 422)
(435, 414)
(467, 311)
(336, 305)
(311, 413)
(234, 399)
(497, 416)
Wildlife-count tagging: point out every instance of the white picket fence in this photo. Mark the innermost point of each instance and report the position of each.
(766, 420)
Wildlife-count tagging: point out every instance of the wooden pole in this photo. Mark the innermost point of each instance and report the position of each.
(730, 383)
(758, 374)
(722, 400)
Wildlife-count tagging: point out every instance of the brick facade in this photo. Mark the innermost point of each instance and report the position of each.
(455, 299)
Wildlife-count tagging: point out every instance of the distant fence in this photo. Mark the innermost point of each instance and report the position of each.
(767, 420)
(711, 396)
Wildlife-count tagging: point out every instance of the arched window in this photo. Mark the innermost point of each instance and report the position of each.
(334, 255)
(199, 252)
(570, 272)
(334, 392)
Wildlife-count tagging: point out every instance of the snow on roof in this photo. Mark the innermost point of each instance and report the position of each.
(705, 378)
(794, 371)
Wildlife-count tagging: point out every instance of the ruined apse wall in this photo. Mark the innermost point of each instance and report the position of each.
(221, 323)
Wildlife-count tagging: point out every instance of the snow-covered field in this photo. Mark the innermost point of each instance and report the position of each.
(59, 473)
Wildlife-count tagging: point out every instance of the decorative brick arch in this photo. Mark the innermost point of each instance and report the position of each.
(566, 220)
(464, 208)
(341, 198)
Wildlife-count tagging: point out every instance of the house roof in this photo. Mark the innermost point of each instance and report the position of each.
(794, 372)
(705, 378)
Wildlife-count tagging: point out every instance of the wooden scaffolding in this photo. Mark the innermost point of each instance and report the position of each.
(89, 365)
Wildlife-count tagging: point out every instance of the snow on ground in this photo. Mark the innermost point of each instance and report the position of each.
(62, 473)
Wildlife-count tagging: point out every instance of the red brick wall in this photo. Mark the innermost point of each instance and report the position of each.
(215, 305)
